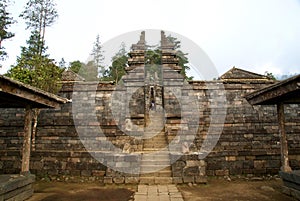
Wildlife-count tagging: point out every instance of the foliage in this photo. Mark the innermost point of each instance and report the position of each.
(98, 57)
(38, 15)
(270, 75)
(152, 58)
(34, 66)
(44, 76)
(30, 53)
(286, 76)
(183, 60)
(5, 22)
(117, 68)
(62, 63)
(75, 66)
(88, 71)
(153, 62)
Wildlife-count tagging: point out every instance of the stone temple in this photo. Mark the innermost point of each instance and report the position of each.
(153, 127)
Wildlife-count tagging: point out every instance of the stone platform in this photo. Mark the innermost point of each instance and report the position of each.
(158, 193)
(16, 187)
(291, 183)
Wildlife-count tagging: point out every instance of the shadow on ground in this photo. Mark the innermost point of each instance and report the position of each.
(56, 191)
(239, 190)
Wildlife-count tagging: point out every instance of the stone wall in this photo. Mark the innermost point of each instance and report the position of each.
(249, 143)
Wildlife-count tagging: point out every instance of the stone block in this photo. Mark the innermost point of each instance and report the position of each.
(177, 180)
(193, 163)
(107, 180)
(230, 158)
(119, 180)
(259, 164)
(188, 179)
(191, 171)
(222, 172)
(163, 180)
(86, 173)
(201, 179)
(98, 173)
(131, 180)
(147, 180)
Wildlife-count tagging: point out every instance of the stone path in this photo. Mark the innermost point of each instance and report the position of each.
(158, 193)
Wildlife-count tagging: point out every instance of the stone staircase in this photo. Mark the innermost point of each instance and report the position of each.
(155, 164)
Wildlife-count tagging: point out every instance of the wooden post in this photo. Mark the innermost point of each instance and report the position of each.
(285, 167)
(27, 141)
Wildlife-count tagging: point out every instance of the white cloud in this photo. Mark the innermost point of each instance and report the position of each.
(247, 34)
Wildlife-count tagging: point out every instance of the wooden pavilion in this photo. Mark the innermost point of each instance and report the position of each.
(14, 94)
(281, 93)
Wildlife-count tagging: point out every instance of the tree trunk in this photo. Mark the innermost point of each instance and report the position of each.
(44, 31)
(40, 28)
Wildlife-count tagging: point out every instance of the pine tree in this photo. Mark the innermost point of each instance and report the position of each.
(75, 66)
(89, 71)
(183, 60)
(39, 14)
(98, 57)
(5, 22)
(117, 68)
(62, 63)
(35, 69)
(38, 69)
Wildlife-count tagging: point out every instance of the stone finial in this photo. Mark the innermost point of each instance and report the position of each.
(141, 43)
(166, 44)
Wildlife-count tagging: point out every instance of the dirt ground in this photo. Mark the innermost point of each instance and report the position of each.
(215, 190)
(61, 191)
(239, 190)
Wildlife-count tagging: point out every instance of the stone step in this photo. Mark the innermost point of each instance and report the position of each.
(157, 174)
(154, 132)
(155, 162)
(155, 138)
(159, 156)
(156, 180)
(153, 145)
(151, 141)
(153, 149)
(155, 168)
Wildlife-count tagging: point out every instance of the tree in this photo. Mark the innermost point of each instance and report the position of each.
(62, 63)
(5, 22)
(183, 60)
(117, 68)
(88, 71)
(75, 66)
(270, 75)
(38, 15)
(35, 69)
(153, 62)
(31, 52)
(98, 57)
(33, 61)
(39, 70)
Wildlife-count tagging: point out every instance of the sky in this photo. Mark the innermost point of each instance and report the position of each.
(255, 35)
